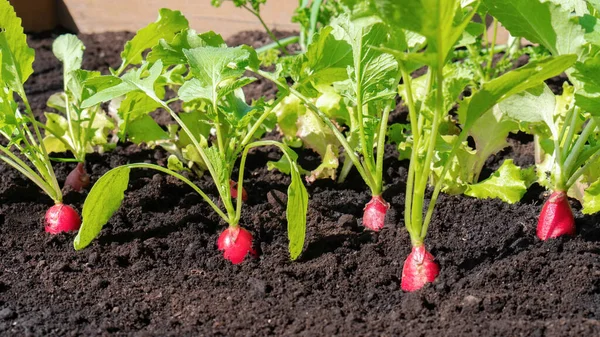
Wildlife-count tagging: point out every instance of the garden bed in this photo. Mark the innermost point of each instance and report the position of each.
(155, 269)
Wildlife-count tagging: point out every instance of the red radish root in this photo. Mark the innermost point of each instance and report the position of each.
(78, 179)
(233, 187)
(556, 218)
(62, 218)
(236, 243)
(374, 216)
(419, 269)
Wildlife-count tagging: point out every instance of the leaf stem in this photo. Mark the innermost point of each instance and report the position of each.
(582, 169)
(283, 42)
(381, 147)
(412, 112)
(578, 147)
(262, 22)
(238, 208)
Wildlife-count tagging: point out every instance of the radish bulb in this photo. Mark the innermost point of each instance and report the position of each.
(78, 179)
(556, 218)
(62, 218)
(236, 243)
(374, 215)
(419, 269)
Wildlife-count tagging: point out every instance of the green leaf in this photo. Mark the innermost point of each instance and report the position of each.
(197, 123)
(194, 89)
(588, 98)
(591, 199)
(591, 25)
(56, 123)
(372, 71)
(54, 145)
(174, 164)
(166, 26)
(325, 61)
(220, 167)
(135, 105)
(69, 50)
(506, 183)
(513, 82)
(489, 133)
(211, 66)
(434, 19)
(171, 52)
(553, 26)
(102, 202)
(145, 130)
(17, 57)
(141, 79)
(297, 206)
(328, 166)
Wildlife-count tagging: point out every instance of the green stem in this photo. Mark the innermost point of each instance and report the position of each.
(381, 149)
(346, 167)
(238, 208)
(217, 123)
(283, 42)
(576, 150)
(438, 186)
(314, 17)
(491, 56)
(412, 112)
(224, 191)
(426, 169)
(582, 169)
(570, 120)
(367, 159)
(87, 132)
(76, 146)
(47, 172)
(269, 32)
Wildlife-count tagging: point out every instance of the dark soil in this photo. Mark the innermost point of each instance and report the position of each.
(155, 269)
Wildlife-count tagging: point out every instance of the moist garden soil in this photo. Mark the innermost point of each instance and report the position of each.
(155, 269)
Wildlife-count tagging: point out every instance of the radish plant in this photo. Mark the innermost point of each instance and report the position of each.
(441, 23)
(211, 91)
(565, 126)
(77, 130)
(19, 126)
(343, 80)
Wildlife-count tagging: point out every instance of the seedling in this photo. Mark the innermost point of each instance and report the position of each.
(212, 93)
(565, 126)
(75, 129)
(21, 130)
(359, 82)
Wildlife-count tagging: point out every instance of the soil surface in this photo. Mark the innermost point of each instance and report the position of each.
(155, 269)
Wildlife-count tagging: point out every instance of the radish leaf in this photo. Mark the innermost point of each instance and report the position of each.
(166, 26)
(509, 183)
(553, 27)
(17, 57)
(102, 202)
(591, 199)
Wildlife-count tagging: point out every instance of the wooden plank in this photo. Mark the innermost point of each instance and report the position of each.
(92, 16)
(37, 15)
